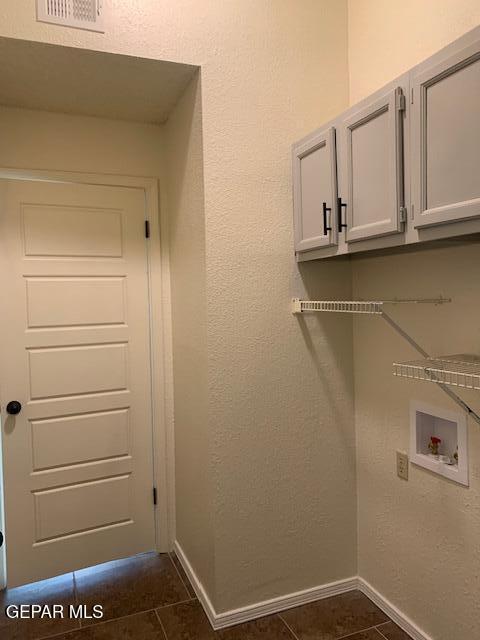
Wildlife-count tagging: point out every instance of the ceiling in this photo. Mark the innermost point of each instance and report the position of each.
(35, 75)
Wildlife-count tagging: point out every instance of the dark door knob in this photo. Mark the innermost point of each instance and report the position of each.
(14, 407)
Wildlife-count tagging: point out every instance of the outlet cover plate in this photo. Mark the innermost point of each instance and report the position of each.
(402, 465)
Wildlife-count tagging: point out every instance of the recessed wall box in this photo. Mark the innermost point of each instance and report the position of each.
(451, 459)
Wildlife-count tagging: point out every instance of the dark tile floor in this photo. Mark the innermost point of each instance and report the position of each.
(149, 598)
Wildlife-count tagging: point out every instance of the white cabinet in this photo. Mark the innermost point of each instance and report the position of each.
(446, 137)
(372, 157)
(406, 159)
(315, 191)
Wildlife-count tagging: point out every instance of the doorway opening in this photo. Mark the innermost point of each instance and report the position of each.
(90, 452)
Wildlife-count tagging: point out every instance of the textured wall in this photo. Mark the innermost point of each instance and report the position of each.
(41, 140)
(418, 540)
(186, 225)
(279, 390)
(386, 38)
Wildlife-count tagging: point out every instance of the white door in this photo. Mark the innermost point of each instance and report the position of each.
(373, 143)
(74, 349)
(446, 138)
(315, 191)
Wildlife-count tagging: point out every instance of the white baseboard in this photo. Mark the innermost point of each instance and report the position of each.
(276, 605)
(392, 612)
(260, 609)
(196, 584)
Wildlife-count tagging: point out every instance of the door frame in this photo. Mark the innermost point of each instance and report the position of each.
(158, 274)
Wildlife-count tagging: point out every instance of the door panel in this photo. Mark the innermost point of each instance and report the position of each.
(82, 507)
(446, 139)
(374, 168)
(65, 302)
(75, 352)
(73, 231)
(315, 190)
(78, 439)
(68, 371)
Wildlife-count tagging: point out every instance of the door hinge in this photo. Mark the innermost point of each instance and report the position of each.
(403, 214)
(147, 228)
(154, 495)
(400, 101)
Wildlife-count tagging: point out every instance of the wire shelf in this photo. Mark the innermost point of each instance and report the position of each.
(460, 370)
(338, 306)
(456, 371)
(372, 307)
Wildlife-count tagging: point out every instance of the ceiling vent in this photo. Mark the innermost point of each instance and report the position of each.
(80, 14)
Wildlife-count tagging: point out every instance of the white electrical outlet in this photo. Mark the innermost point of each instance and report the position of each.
(402, 465)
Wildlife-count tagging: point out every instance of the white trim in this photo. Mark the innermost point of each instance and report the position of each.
(281, 603)
(259, 609)
(196, 584)
(275, 605)
(392, 612)
(161, 340)
(164, 399)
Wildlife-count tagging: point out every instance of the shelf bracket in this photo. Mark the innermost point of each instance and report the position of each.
(376, 307)
(451, 394)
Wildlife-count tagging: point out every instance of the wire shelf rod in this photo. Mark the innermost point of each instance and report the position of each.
(373, 307)
(438, 375)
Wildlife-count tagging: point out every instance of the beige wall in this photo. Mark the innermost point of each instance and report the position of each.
(41, 140)
(386, 38)
(277, 394)
(186, 225)
(418, 541)
(266, 462)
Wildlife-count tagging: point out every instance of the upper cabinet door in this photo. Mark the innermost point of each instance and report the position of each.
(446, 138)
(373, 182)
(315, 191)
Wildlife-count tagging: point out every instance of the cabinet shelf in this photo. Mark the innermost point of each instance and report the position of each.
(459, 370)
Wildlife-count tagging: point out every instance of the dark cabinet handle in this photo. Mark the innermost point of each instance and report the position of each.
(14, 407)
(341, 225)
(326, 228)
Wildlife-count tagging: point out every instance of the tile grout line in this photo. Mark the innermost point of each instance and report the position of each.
(96, 624)
(179, 575)
(161, 625)
(349, 635)
(384, 624)
(288, 626)
(101, 622)
(57, 635)
(174, 604)
(381, 634)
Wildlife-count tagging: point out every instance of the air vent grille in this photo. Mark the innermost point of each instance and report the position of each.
(80, 14)
(84, 10)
